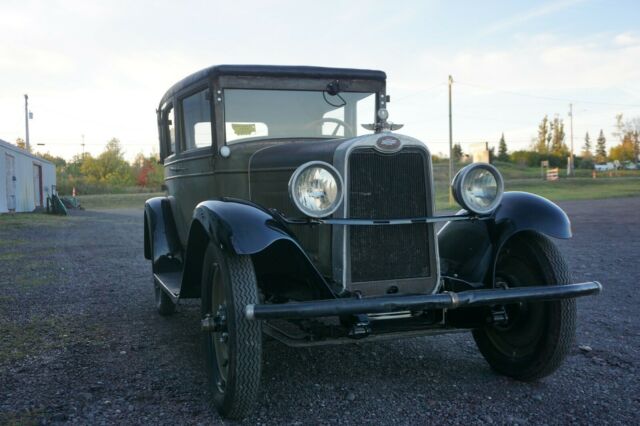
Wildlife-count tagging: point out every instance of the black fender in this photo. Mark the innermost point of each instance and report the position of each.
(282, 267)
(161, 243)
(469, 249)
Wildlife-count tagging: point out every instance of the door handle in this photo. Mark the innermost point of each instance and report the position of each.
(177, 169)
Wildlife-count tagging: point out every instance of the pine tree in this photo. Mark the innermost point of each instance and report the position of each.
(586, 149)
(558, 146)
(601, 148)
(502, 150)
(543, 135)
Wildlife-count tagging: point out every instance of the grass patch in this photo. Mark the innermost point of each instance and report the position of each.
(21, 340)
(26, 417)
(28, 272)
(40, 335)
(23, 282)
(20, 220)
(560, 190)
(579, 188)
(28, 269)
(11, 256)
(7, 242)
(116, 201)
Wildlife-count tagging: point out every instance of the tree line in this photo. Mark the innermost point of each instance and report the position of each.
(549, 145)
(108, 172)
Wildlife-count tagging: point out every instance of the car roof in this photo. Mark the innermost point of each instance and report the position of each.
(293, 71)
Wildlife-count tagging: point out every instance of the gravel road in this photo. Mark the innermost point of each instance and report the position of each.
(80, 342)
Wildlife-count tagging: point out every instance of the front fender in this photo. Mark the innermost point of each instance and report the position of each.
(469, 250)
(242, 227)
(523, 211)
(282, 267)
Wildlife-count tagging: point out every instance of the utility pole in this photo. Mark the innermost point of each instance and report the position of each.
(571, 135)
(450, 144)
(82, 146)
(26, 121)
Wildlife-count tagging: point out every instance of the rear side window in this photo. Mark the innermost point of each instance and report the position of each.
(169, 130)
(196, 119)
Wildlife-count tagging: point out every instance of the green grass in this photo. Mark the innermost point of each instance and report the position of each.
(579, 188)
(115, 201)
(26, 417)
(18, 220)
(560, 190)
(40, 335)
(9, 243)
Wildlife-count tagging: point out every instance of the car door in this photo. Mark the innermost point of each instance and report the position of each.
(192, 178)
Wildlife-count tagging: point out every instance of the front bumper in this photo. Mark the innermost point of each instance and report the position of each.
(396, 303)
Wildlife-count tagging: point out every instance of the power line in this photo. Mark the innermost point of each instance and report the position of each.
(418, 92)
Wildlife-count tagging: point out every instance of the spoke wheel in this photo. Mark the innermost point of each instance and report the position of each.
(537, 336)
(232, 344)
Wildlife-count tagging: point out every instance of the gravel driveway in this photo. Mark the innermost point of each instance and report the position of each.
(80, 342)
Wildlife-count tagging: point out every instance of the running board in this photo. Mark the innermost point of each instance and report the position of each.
(169, 282)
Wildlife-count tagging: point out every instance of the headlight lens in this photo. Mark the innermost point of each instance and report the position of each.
(478, 188)
(316, 189)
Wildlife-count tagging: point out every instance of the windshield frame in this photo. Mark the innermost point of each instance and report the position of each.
(221, 83)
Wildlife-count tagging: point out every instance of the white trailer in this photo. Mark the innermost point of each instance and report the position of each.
(25, 179)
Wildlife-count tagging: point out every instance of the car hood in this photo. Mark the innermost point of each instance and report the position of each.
(292, 154)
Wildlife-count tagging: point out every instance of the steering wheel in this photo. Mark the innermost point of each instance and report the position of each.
(339, 123)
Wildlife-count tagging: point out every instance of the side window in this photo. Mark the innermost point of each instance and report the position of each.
(171, 130)
(196, 119)
(167, 131)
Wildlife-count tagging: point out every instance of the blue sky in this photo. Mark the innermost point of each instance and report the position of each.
(99, 69)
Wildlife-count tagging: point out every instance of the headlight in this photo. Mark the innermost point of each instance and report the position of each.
(316, 189)
(478, 188)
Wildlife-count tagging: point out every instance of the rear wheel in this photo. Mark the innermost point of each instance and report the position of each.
(537, 336)
(232, 344)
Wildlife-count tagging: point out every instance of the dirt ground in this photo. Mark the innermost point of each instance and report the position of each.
(80, 342)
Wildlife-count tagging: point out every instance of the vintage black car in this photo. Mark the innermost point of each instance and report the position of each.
(294, 210)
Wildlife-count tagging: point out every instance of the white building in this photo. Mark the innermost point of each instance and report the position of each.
(25, 180)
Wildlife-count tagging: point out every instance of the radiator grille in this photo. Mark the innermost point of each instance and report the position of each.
(383, 186)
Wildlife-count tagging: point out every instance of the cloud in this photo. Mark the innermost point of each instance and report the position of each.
(626, 39)
(531, 14)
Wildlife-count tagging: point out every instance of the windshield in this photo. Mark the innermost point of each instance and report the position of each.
(269, 114)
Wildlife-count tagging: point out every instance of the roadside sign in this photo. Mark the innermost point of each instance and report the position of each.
(552, 174)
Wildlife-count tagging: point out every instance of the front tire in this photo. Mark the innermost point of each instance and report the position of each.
(538, 335)
(233, 353)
